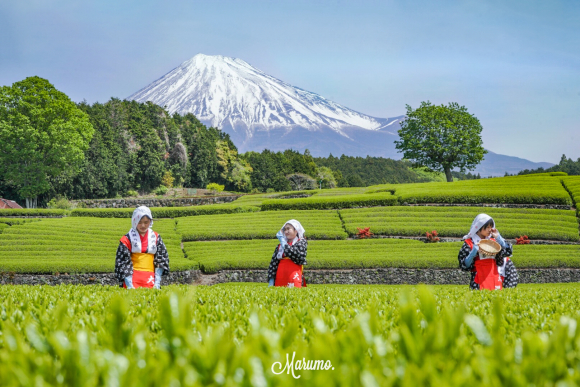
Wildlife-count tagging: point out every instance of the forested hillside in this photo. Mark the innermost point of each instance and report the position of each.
(136, 145)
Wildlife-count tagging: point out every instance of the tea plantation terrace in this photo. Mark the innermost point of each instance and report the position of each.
(240, 235)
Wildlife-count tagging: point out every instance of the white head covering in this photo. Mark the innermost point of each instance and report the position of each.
(478, 222)
(139, 213)
(299, 233)
(297, 226)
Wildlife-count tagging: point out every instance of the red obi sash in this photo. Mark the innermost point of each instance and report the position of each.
(487, 276)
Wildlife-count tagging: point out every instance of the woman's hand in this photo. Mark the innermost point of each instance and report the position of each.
(494, 233)
(282, 239)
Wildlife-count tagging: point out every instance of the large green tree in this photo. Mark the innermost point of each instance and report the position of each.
(43, 135)
(441, 138)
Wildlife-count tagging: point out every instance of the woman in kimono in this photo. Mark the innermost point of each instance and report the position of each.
(286, 266)
(141, 256)
(491, 274)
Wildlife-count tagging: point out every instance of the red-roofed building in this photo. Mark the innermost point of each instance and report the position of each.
(7, 204)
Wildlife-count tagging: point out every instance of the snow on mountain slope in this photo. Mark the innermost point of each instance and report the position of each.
(228, 92)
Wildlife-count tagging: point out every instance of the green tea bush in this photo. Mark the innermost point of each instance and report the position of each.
(507, 190)
(259, 225)
(15, 221)
(544, 174)
(342, 191)
(455, 221)
(34, 212)
(319, 202)
(76, 244)
(572, 185)
(538, 189)
(166, 212)
(368, 253)
(235, 334)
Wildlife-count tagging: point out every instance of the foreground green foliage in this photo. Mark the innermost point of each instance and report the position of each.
(455, 221)
(369, 253)
(233, 335)
(85, 245)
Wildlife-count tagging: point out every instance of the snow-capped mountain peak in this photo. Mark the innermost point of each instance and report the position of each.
(227, 92)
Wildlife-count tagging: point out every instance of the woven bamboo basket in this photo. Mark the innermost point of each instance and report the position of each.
(488, 249)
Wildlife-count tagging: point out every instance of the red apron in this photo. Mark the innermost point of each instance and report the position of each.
(487, 275)
(289, 274)
(142, 279)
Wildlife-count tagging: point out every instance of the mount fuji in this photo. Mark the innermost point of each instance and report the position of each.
(260, 112)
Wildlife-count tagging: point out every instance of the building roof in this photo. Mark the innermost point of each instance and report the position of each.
(5, 203)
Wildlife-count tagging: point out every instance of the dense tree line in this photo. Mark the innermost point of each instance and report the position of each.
(136, 146)
(365, 171)
(567, 165)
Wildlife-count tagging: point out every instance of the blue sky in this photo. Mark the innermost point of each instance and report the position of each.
(514, 64)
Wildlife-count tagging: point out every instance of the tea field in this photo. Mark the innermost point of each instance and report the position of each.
(259, 225)
(451, 221)
(243, 335)
(240, 234)
(73, 244)
(370, 253)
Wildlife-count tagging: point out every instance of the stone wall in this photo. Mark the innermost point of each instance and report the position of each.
(396, 276)
(391, 276)
(179, 277)
(165, 202)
